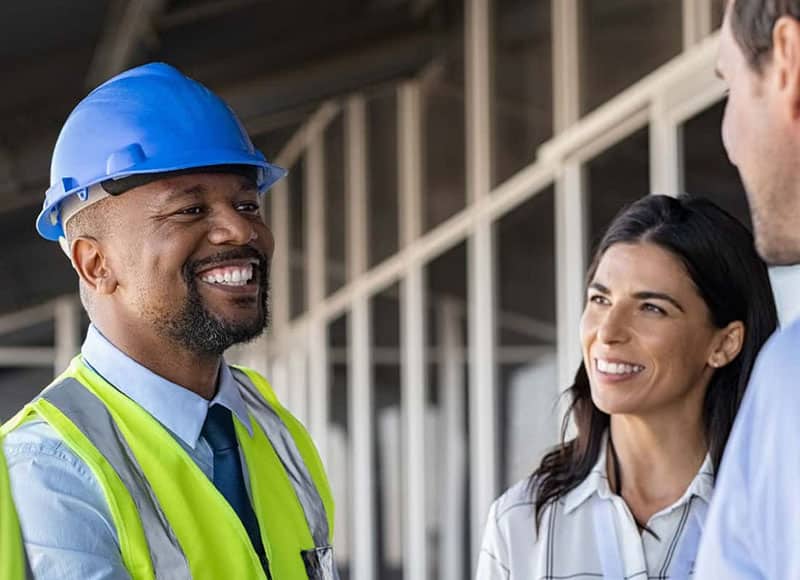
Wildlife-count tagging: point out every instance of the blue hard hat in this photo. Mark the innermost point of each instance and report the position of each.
(148, 120)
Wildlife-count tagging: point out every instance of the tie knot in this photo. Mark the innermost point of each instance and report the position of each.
(218, 429)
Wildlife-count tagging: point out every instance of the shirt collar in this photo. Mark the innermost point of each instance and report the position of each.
(597, 483)
(594, 483)
(178, 409)
(703, 483)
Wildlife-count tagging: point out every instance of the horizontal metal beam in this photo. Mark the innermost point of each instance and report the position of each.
(26, 318)
(388, 356)
(340, 75)
(202, 11)
(632, 101)
(31, 356)
(128, 23)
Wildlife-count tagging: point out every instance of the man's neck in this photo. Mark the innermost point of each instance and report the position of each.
(197, 373)
(658, 459)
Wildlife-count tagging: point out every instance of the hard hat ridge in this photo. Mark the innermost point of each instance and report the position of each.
(148, 120)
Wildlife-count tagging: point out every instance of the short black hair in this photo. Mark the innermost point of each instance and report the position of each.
(93, 221)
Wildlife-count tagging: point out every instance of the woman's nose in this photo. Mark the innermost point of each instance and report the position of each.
(613, 327)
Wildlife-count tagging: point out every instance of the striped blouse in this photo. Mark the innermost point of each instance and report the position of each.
(590, 534)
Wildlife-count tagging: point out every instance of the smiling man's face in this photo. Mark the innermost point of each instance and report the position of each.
(192, 261)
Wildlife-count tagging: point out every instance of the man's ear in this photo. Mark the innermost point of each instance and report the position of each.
(786, 62)
(92, 265)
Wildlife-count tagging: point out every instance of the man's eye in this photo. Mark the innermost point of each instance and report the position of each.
(248, 207)
(193, 210)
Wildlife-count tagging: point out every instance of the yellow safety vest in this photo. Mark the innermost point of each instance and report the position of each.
(170, 519)
(12, 556)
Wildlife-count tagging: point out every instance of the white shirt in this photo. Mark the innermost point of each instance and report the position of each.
(567, 545)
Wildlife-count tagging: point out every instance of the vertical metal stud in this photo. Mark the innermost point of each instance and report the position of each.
(567, 88)
(361, 416)
(67, 318)
(412, 333)
(570, 268)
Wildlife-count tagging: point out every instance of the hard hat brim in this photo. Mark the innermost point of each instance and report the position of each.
(48, 223)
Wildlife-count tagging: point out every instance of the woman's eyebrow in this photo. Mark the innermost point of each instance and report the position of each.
(642, 295)
(650, 295)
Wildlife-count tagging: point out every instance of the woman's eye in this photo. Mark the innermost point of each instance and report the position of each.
(598, 299)
(653, 308)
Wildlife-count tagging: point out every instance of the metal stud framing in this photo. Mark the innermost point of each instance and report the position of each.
(299, 353)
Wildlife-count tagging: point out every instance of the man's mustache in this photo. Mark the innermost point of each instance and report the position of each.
(191, 267)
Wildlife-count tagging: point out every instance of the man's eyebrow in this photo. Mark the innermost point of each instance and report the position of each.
(176, 193)
(199, 189)
(718, 73)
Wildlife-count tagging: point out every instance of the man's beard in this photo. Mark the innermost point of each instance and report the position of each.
(198, 330)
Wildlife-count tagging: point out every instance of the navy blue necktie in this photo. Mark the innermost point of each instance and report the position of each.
(218, 431)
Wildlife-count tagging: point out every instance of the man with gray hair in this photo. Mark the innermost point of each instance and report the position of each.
(753, 526)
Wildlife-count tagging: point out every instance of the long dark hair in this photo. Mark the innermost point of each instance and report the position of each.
(718, 254)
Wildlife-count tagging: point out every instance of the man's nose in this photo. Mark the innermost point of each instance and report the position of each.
(231, 227)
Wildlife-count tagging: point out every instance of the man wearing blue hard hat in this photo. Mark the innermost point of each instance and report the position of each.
(150, 457)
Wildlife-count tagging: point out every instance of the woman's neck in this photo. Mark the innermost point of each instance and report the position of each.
(657, 461)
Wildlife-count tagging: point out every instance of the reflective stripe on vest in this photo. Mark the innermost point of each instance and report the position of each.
(13, 562)
(290, 457)
(171, 521)
(90, 415)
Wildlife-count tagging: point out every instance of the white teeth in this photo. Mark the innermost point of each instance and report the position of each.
(611, 368)
(230, 277)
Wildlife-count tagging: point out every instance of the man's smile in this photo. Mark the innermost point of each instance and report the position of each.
(232, 275)
(235, 272)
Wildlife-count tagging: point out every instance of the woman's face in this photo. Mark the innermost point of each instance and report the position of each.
(648, 340)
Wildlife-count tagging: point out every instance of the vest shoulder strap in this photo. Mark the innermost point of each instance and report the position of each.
(286, 446)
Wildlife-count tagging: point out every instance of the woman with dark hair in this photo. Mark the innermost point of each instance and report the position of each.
(678, 305)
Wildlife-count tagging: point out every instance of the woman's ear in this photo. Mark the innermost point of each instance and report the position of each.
(727, 344)
(92, 266)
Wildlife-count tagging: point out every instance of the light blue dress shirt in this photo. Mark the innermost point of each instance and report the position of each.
(66, 524)
(753, 525)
